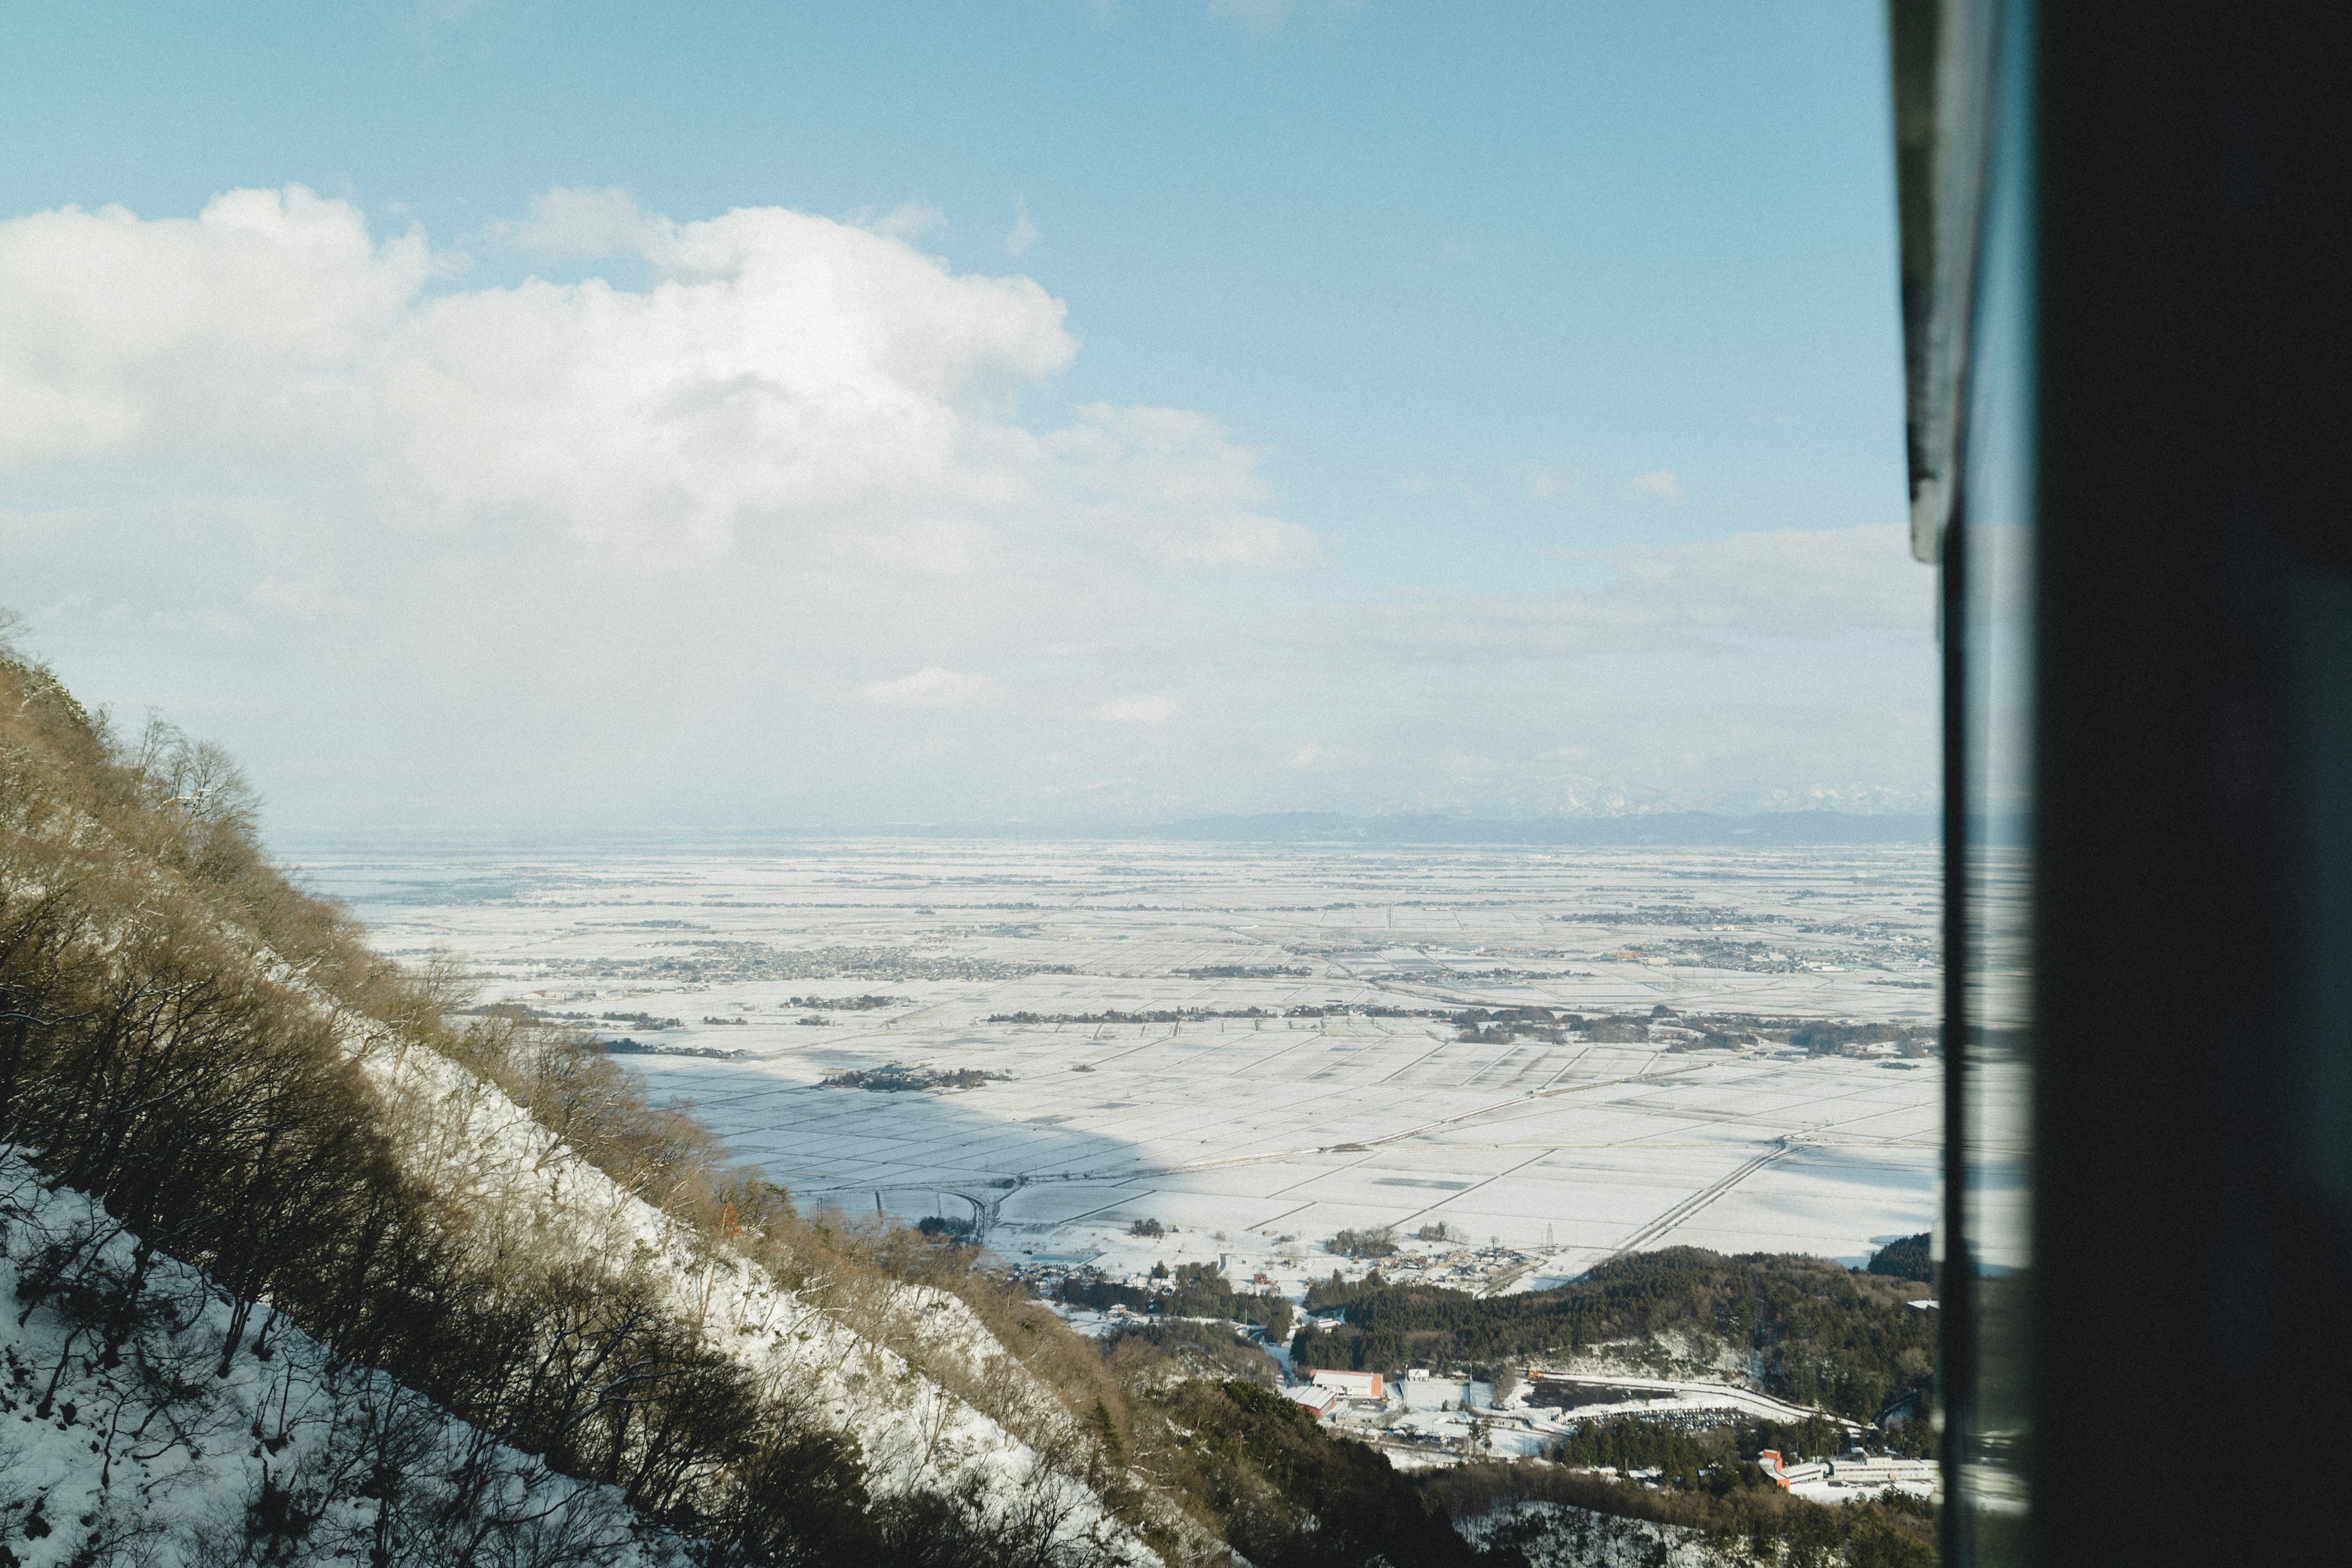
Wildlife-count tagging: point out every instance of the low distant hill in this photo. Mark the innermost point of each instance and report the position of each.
(1631, 830)
(1664, 827)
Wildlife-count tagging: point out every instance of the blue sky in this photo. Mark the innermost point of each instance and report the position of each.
(1537, 369)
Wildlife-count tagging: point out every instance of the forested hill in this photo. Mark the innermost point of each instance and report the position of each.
(1803, 1328)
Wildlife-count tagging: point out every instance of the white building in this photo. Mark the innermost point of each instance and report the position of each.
(1354, 1385)
(1785, 1476)
(1877, 1470)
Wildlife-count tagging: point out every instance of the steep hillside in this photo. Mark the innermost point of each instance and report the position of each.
(528, 1192)
(218, 1059)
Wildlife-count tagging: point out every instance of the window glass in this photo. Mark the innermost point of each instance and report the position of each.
(1988, 1242)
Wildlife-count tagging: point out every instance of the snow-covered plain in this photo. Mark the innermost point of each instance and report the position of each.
(1255, 1139)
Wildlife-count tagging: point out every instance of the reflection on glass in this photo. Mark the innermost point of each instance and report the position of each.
(1987, 1263)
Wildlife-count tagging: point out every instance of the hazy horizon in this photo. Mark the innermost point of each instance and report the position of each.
(1589, 830)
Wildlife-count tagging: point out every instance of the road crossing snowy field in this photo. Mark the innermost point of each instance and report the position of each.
(1256, 1046)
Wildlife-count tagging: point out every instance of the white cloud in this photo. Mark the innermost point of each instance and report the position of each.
(909, 221)
(1151, 710)
(1789, 580)
(1779, 582)
(734, 537)
(1658, 484)
(248, 324)
(1171, 484)
(782, 378)
(932, 688)
(579, 222)
(1023, 238)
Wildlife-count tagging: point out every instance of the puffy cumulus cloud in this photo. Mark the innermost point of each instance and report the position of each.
(781, 377)
(783, 370)
(256, 324)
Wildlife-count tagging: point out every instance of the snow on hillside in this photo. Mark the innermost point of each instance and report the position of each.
(465, 1137)
(1554, 1535)
(122, 1440)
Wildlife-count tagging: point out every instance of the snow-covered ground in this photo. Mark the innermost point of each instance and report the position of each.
(1252, 1140)
(1660, 1397)
(1553, 1535)
(1443, 1394)
(153, 1452)
(149, 1455)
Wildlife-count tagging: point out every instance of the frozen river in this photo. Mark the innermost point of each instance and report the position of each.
(1351, 1097)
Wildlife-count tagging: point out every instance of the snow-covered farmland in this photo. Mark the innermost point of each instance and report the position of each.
(1251, 1137)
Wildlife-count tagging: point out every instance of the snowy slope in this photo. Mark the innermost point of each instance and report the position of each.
(1554, 1535)
(465, 1137)
(935, 1407)
(119, 1441)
